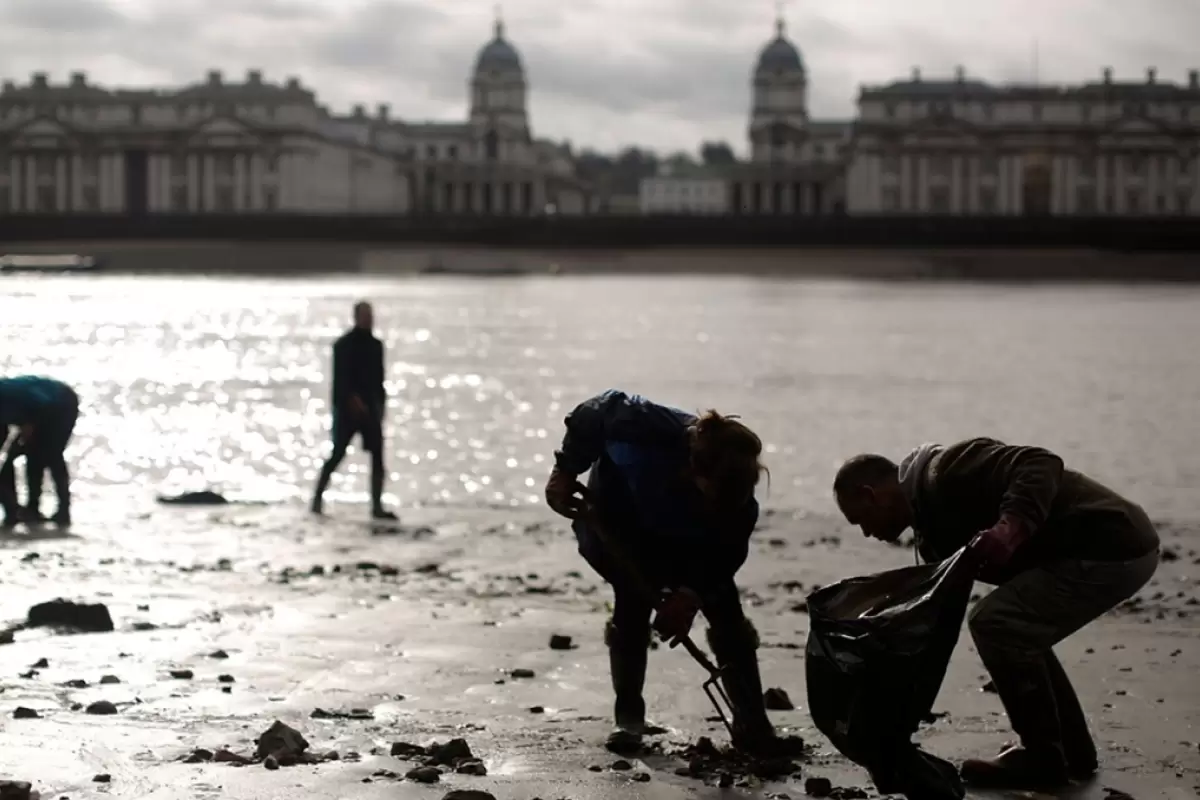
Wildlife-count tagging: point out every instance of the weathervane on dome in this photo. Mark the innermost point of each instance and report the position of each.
(780, 25)
(499, 25)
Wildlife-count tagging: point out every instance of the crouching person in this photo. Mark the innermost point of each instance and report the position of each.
(675, 493)
(45, 411)
(1062, 550)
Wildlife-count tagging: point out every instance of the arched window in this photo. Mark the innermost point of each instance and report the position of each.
(491, 146)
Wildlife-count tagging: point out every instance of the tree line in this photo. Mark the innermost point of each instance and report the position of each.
(623, 173)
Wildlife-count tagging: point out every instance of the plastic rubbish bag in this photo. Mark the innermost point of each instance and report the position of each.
(878, 649)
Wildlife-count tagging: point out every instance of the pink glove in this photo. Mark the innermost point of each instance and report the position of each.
(996, 545)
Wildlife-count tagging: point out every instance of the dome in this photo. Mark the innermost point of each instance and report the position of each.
(780, 55)
(498, 55)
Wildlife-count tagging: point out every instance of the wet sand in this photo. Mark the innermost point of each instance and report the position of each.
(422, 625)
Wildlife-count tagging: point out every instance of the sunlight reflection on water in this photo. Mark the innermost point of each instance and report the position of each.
(191, 382)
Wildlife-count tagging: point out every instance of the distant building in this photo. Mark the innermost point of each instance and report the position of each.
(258, 147)
(697, 190)
(211, 147)
(796, 163)
(963, 146)
(487, 164)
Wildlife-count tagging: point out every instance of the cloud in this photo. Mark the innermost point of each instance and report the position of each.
(602, 72)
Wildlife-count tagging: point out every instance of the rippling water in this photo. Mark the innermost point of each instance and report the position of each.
(190, 382)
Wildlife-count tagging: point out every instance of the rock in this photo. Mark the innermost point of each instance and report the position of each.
(101, 707)
(521, 672)
(620, 765)
(7, 636)
(354, 713)
(450, 753)
(76, 683)
(641, 777)
(182, 674)
(224, 756)
(270, 762)
(15, 790)
(537, 710)
(90, 618)
(476, 768)
(818, 787)
(103, 777)
(777, 700)
(205, 498)
(198, 756)
(424, 774)
(560, 642)
(41, 663)
(21, 712)
(281, 741)
(407, 750)
(107, 679)
(468, 794)
(225, 679)
(218, 654)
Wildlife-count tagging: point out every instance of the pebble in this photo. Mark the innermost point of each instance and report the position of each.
(560, 642)
(21, 712)
(537, 710)
(777, 700)
(424, 774)
(476, 768)
(521, 672)
(218, 654)
(182, 674)
(101, 707)
(15, 790)
(225, 679)
(620, 765)
(103, 777)
(107, 679)
(468, 794)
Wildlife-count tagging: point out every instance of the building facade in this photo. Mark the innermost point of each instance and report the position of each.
(256, 147)
(963, 146)
(694, 191)
(212, 147)
(488, 164)
(796, 163)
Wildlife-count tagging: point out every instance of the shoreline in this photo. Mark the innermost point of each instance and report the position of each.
(421, 625)
(917, 265)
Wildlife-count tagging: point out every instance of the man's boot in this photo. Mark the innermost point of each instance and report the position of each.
(628, 652)
(735, 648)
(1038, 762)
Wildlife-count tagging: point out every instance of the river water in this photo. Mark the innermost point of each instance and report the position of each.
(191, 382)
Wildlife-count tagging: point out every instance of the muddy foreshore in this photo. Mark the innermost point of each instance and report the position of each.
(275, 615)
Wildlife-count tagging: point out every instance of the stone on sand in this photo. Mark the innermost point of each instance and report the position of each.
(101, 707)
(468, 794)
(282, 741)
(777, 700)
(560, 642)
(15, 790)
(60, 613)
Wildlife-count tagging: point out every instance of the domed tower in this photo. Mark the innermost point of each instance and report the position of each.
(780, 112)
(498, 92)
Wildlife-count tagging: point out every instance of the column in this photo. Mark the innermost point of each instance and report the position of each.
(1101, 183)
(241, 187)
(1018, 184)
(193, 181)
(29, 176)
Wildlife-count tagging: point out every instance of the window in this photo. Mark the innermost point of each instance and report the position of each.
(1087, 166)
(452, 151)
(1161, 204)
(1133, 201)
(891, 165)
(1183, 202)
(179, 197)
(1135, 165)
(1085, 201)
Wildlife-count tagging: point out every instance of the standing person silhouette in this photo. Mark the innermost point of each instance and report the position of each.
(359, 398)
(45, 410)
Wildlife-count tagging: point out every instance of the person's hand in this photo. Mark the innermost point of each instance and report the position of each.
(996, 545)
(26, 434)
(565, 494)
(676, 613)
(357, 407)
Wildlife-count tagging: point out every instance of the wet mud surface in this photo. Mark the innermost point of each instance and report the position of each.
(417, 660)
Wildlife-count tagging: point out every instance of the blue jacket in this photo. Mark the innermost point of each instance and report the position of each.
(637, 452)
(30, 399)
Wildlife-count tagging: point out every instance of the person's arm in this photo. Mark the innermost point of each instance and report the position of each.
(381, 388)
(341, 382)
(1028, 479)
(613, 415)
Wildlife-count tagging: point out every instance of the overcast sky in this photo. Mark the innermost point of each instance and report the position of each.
(663, 73)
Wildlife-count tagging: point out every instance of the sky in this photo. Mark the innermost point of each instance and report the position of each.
(666, 74)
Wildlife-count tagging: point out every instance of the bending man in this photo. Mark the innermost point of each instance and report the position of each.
(45, 411)
(669, 508)
(1062, 550)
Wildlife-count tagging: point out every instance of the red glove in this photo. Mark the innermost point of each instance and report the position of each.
(996, 545)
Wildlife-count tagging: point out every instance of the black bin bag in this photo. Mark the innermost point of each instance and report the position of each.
(878, 649)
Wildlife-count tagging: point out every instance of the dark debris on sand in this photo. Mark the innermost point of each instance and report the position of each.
(454, 754)
(728, 766)
(278, 746)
